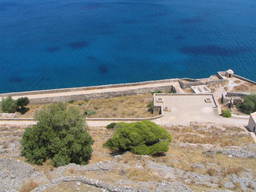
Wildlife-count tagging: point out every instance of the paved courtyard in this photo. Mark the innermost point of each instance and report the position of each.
(180, 108)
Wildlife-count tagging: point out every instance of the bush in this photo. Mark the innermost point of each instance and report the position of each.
(59, 135)
(111, 126)
(8, 105)
(157, 91)
(21, 104)
(248, 106)
(150, 107)
(89, 112)
(143, 138)
(226, 113)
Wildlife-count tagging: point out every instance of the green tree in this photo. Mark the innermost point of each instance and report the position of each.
(248, 105)
(143, 138)
(59, 135)
(21, 104)
(8, 105)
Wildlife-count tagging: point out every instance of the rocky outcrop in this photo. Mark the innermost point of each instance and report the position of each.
(14, 173)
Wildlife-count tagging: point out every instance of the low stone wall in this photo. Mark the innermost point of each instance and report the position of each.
(91, 119)
(198, 82)
(88, 181)
(124, 119)
(236, 94)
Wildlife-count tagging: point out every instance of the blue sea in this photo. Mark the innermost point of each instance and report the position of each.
(48, 44)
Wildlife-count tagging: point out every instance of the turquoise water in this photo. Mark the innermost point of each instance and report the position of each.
(55, 44)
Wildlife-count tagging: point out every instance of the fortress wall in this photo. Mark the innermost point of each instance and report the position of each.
(99, 95)
(198, 82)
(38, 92)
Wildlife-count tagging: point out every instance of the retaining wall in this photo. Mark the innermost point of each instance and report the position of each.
(37, 92)
(109, 94)
(236, 94)
(198, 82)
(91, 119)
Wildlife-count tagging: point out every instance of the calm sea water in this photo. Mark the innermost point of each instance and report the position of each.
(64, 43)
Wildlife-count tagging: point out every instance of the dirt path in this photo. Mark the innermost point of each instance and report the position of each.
(166, 120)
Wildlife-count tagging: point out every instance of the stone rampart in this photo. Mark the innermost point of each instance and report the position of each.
(199, 82)
(109, 94)
(38, 92)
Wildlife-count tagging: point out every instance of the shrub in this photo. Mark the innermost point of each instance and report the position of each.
(157, 91)
(226, 113)
(150, 107)
(8, 105)
(143, 138)
(111, 126)
(248, 105)
(59, 135)
(21, 104)
(89, 112)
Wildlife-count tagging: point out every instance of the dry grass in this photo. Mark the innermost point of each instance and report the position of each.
(245, 87)
(123, 106)
(71, 187)
(29, 186)
(215, 140)
(211, 172)
(232, 170)
(142, 175)
(210, 135)
(184, 158)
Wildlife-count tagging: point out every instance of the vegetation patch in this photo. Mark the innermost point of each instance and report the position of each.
(143, 138)
(131, 106)
(248, 106)
(226, 113)
(9, 105)
(59, 135)
(111, 126)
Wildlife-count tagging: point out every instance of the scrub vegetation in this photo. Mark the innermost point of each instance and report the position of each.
(248, 105)
(142, 138)
(59, 135)
(9, 105)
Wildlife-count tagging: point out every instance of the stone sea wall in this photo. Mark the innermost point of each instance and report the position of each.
(38, 92)
(99, 95)
(103, 94)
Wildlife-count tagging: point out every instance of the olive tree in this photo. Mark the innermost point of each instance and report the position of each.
(59, 135)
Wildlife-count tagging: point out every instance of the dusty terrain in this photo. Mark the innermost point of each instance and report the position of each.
(202, 157)
(123, 106)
